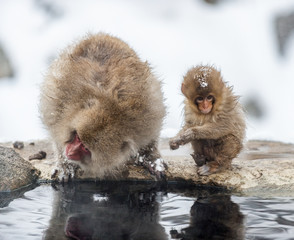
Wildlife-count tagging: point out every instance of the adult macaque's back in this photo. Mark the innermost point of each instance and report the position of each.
(101, 105)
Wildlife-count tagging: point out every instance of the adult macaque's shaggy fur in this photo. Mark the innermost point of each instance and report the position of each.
(101, 105)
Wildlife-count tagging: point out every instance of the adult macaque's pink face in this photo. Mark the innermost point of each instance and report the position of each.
(75, 150)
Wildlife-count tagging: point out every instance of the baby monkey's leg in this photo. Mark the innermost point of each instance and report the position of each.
(199, 155)
(220, 154)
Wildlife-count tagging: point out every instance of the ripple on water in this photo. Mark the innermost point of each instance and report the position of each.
(188, 214)
(27, 217)
(175, 211)
(268, 218)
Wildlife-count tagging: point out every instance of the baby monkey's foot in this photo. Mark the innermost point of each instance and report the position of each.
(208, 169)
(200, 160)
(66, 171)
(206, 165)
(204, 170)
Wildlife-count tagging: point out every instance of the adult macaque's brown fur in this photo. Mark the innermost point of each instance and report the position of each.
(216, 137)
(100, 90)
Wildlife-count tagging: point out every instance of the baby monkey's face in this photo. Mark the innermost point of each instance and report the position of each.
(203, 87)
(205, 103)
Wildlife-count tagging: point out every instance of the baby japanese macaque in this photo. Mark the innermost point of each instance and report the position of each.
(101, 105)
(214, 120)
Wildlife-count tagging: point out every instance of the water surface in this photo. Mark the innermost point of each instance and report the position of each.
(121, 210)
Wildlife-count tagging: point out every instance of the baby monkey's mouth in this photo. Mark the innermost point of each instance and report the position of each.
(76, 150)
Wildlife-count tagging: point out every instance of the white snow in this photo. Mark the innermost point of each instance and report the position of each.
(99, 198)
(204, 71)
(203, 83)
(173, 35)
(159, 165)
(201, 80)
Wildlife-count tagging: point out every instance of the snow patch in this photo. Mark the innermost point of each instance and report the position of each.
(99, 198)
(243, 42)
(159, 165)
(201, 76)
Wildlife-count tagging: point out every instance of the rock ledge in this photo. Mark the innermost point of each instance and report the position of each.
(15, 172)
(264, 168)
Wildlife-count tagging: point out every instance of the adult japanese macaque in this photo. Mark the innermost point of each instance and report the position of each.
(101, 105)
(214, 120)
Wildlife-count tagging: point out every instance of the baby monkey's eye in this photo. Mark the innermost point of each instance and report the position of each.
(209, 98)
(199, 99)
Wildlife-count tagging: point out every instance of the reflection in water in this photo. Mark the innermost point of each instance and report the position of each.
(133, 211)
(213, 217)
(142, 211)
(106, 211)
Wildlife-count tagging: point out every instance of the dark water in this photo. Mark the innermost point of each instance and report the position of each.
(142, 211)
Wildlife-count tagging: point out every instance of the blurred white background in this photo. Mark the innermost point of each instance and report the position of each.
(251, 41)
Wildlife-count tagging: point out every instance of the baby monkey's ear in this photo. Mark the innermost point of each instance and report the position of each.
(184, 89)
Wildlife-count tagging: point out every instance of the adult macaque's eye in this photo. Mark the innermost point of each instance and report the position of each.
(72, 136)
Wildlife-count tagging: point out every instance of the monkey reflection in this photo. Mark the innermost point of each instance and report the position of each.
(120, 212)
(215, 217)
